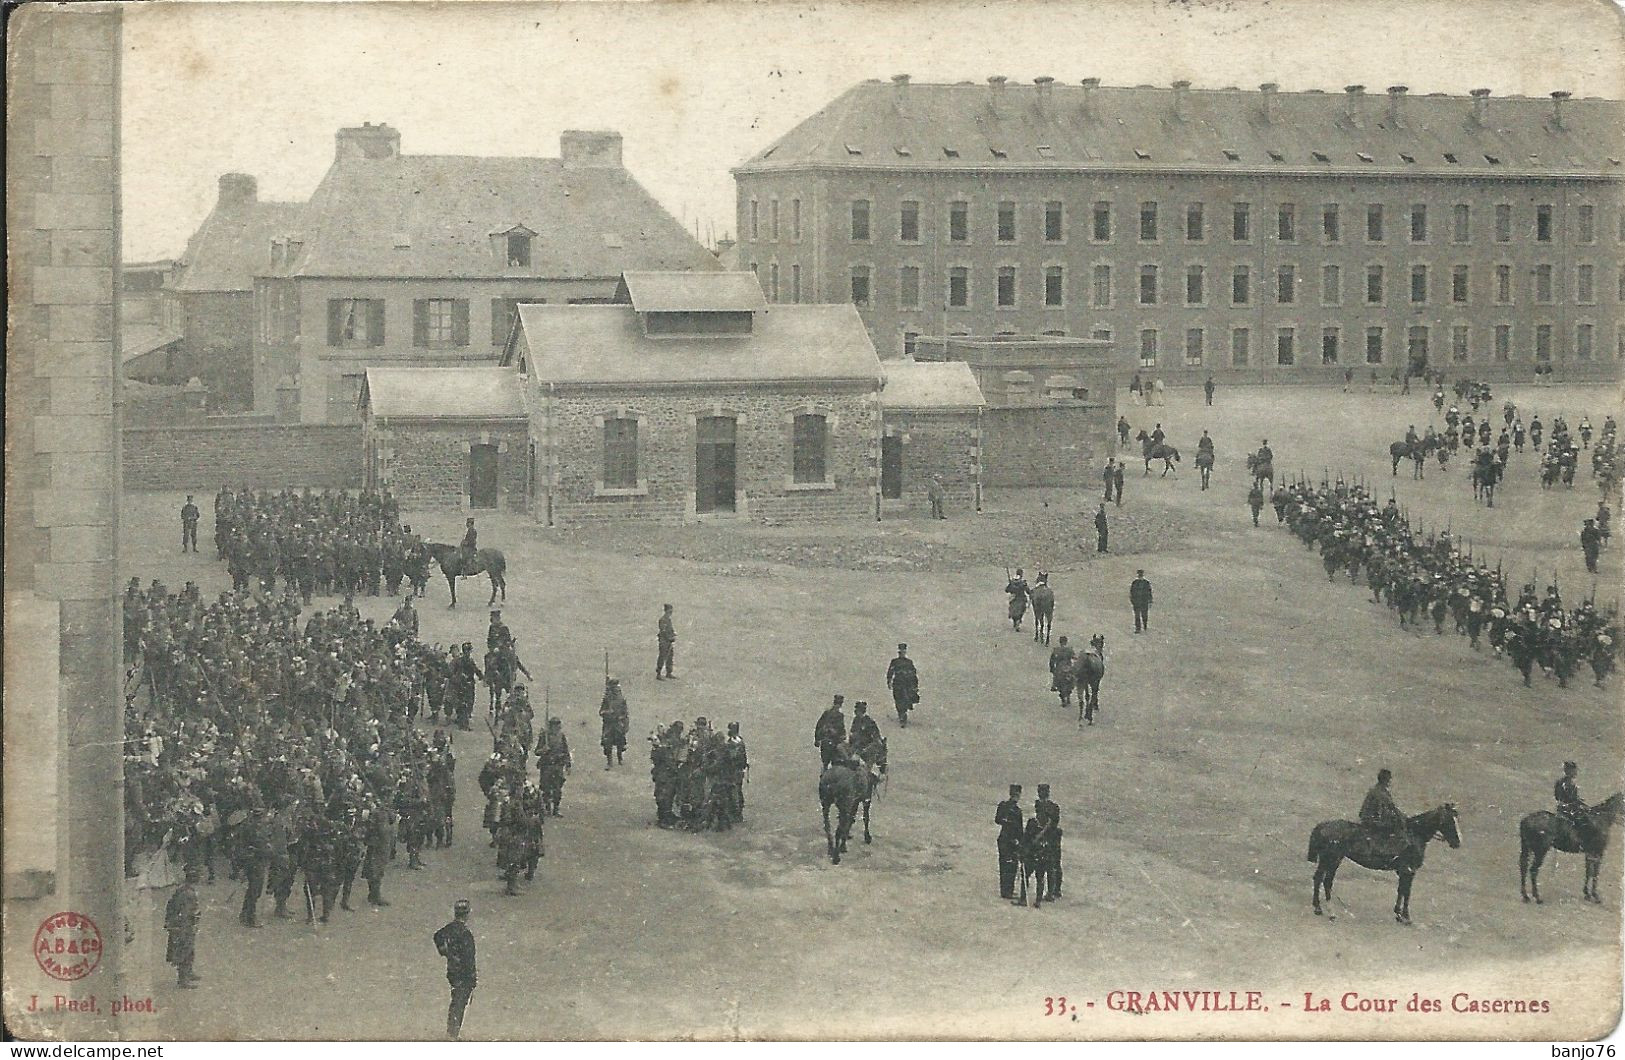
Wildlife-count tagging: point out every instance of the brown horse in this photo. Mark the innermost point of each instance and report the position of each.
(455, 563)
(1543, 830)
(1043, 599)
(1091, 668)
(841, 786)
(1332, 841)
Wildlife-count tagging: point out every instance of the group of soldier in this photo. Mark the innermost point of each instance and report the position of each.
(1432, 580)
(699, 776)
(1029, 848)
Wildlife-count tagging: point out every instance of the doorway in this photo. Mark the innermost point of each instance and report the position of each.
(714, 464)
(891, 466)
(482, 476)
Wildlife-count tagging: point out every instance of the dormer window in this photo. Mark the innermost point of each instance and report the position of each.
(1142, 154)
(854, 151)
(1232, 156)
(1321, 156)
(519, 250)
(903, 152)
(1492, 160)
(1448, 157)
(1276, 156)
(1407, 159)
(1362, 156)
(1046, 151)
(950, 152)
(999, 152)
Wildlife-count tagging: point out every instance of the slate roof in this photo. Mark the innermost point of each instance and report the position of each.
(930, 385)
(676, 292)
(436, 215)
(472, 393)
(139, 340)
(1069, 127)
(233, 245)
(598, 344)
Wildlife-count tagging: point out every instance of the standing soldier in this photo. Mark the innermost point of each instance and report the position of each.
(1108, 475)
(667, 636)
(442, 788)
(1255, 500)
(554, 762)
(830, 732)
(616, 721)
(279, 838)
(1122, 430)
(1139, 597)
(1117, 483)
(1050, 814)
(1018, 591)
(189, 518)
(663, 747)
(456, 943)
(1207, 389)
(512, 832)
(1008, 817)
(464, 673)
(253, 858)
(904, 682)
(181, 915)
(1591, 544)
(1100, 529)
(405, 618)
(936, 494)
(379, 838)
(1279, 500)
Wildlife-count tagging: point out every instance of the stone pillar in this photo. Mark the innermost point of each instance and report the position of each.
(64, 718)
(195, 398)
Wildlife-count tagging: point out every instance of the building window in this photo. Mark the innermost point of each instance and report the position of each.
(518, 250)
(1148, 285)
(1583, 336)
(810, 442)
(1458, 343)
(1543, 224)
(755, 220)
(1007, 286)
(908, 287)
(620, 453)
(1241, 223)
(1543, 284)
(1419, 284)
(1585, 284)
(1329, 339)
(1503, 341)
(440, 322)
(344, 397)
(860, 286)
(1373, 345)
(1103, 286)
(1102, 230)
(1416, 342)
(1461, 223)
(1284, 341)
(1101, 334)
(959, 222)
(1543, 342)
(1503, 284)
(1195, 223)
(1193, 347)
(1286, 284)
(1148, 348)
(1286, 223)
(1195, 285)
(1054, 286)
(773, 220)
(1241, 285)
(1331, 223)
(1148, 222)
(1240, 346)
(353, 322)
(1458, 284)
(795, 220)
(908, 223)
(1054, 223)
(1331, 285)
(911, 343)
(1419, 223)
(958, 287)
(795, 283)
(1007, 222)
(1503, 223)
(860, 220)
(1373, 223)
(773, 282)
(1373, 285)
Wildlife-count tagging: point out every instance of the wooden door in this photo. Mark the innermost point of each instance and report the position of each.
(891, 466)
(482, 476)
(714, 464)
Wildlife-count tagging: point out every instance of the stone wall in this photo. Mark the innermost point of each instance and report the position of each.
(259, 456)
(426, 464)
(666, 463)
(935, 443)
(1056, 446)
(218, 329)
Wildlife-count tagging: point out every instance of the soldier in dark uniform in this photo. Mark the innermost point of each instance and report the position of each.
(615, 721)
(464, 673)
(1255, 501)
(279, 835)
(181, 915)
(1117, 483)
(1049, 813)
(1139, 597)
(663, 747)
(253, 850)
(904, 681)
(497, 635)
(666, 635)
(830, 732)
(1018, 592)
(1122, 430)
(1100, 529)
(554, 761)
(456, 943)
(189, 518)
(1280, 498)
(512, 831)
(1008, 817)
(1591, 544)
(471, 538)
(1379, 812)
(865, 730)
(738, 767)
(1571, 808)
(378, 830)
(405, 618)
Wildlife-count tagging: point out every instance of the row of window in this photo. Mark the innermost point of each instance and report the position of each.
(1242, 284)
(809, 448)
(436, 322)
(1417, 339)
(1194, 225)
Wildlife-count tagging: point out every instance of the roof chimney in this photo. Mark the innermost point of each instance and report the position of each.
(995, 89)
(1046, 92)
(1182, 93)
(581, 149)
(1481, 107)
(238, 189)
(1557, 108)
(899, 89)
(368, 141)
(1269, 89)
(1354, 104)
(1090, 84)
(1396, 104)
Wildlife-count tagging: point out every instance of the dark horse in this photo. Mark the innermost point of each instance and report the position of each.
(1204, 464)
(1157, 451)
(872, 767)
(454, 564)
(1043, 599)
(1091, 667)
(1485, 475)
(845, 787)
(1332, 841)
(1262, 470)
(1543, 830)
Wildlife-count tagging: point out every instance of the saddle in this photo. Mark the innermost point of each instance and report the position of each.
(1380, 849)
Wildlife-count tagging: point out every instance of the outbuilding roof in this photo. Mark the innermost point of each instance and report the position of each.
(606, 344)
(691, 292)
(233, 245)
(471, 393)
(930, 385)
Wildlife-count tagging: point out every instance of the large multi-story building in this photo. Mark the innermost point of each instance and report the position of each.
(1255, 234)
(421, 260)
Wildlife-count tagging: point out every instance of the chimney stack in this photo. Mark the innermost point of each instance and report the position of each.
(1268, 89)
(368, 141)
(1182, 95)
(995, 91)
(1090, 84)
(1046, 92)
(238, 189)
(580, 149)
(899, 90)
(1396, 104)
(1481, 107)
(1354, 104)
(1557, 108)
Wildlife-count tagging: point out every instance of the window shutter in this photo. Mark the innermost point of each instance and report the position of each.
(375, 321)
(335, 324)
(501, 320)
(459, 322)
(420, 322)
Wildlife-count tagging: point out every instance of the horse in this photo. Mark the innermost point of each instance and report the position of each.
(1398, 451)
(417, 572)
(842, 787)
(1543, 830)
(873, 758)
(1043, 600)
(455, 563)
(1261, 470)
(1156, 451)
(1204, 464)
(1485, 476)
(1332, 841)
(1090, 668)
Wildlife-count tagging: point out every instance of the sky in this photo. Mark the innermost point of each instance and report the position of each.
(696, 87)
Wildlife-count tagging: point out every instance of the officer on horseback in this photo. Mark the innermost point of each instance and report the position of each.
(865, 730)
(470, 545)
(1379, 812)
(1570, 806)
(830, 732)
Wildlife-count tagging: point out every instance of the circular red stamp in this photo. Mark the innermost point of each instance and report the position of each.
(68, 946)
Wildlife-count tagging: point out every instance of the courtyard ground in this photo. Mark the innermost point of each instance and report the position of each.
(1263, 701)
